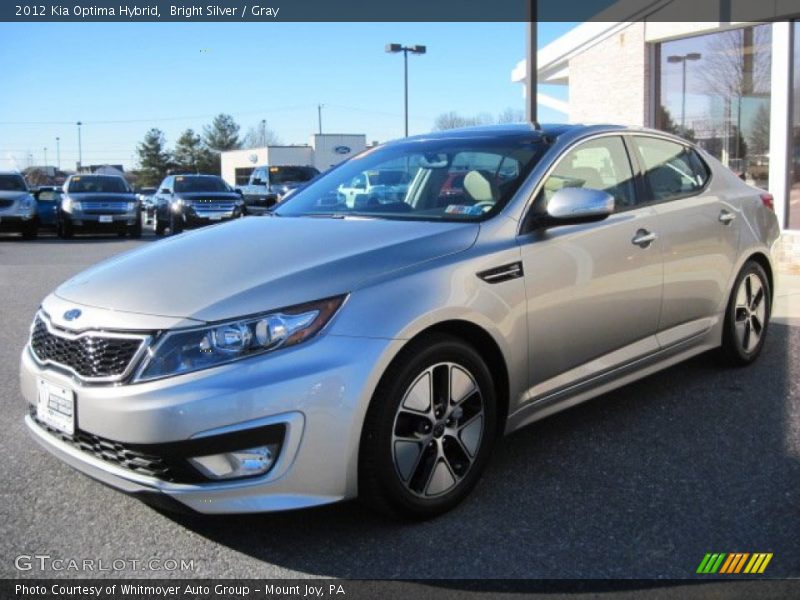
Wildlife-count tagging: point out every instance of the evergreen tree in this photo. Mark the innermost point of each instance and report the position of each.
(191, 155)
(154, 159)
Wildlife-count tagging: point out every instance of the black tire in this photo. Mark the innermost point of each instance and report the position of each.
(31, 230)
(381, 486)
(175, 224)
(64, 229)
(160, 227)
(748, 310)
(135, 230)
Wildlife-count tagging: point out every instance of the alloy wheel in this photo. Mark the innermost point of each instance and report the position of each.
(750, 312)
(437, 430)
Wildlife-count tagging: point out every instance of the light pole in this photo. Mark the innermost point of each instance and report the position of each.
(319, 117)
(683, 58)
(80, 151)
(45, 157)
(58, 153)
(394, 49)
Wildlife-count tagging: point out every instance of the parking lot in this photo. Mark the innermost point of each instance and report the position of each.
(640, 483)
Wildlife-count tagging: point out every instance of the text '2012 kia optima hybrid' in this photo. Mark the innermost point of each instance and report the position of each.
(378, 347)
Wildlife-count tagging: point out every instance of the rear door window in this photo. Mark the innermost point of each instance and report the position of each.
(671, 170)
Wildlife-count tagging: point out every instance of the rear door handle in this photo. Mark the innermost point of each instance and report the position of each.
(644, 238)
(726, 217)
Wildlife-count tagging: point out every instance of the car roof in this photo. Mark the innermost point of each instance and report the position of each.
(545, 132)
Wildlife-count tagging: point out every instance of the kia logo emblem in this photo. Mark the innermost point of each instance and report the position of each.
(72, 314)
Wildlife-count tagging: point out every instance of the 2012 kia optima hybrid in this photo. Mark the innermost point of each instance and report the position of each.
(378, 347)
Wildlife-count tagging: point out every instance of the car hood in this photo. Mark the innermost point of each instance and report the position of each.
(252, 265)
(207, 195)
(13, 195)
(102, 197)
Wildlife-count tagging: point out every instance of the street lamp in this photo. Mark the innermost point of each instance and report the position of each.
(394, 49)
(682, 59)
(45, 157)
(80, 152)
(58, 153)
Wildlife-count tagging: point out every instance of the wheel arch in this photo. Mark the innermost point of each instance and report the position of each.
(485, 345)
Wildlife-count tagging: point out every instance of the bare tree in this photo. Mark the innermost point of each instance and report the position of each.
(453, 120)
(261, 135)
(511, 115)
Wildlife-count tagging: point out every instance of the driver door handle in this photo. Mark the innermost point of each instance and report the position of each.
(726, 217)
(644, 238)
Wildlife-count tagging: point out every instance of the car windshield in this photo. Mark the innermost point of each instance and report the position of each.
(279, 175)
(92, 184)
(200, 183)
(12, 183)
(435, 179)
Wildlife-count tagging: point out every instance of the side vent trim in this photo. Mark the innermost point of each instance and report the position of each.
(502, 273)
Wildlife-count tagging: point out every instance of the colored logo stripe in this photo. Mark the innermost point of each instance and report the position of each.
(733, 563)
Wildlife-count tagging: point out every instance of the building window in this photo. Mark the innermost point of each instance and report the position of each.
(714, 90)
(793, 210)
(243, 175)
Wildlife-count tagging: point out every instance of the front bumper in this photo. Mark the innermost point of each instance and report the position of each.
(15, 222)
(318, 392)
(197, 217)
(104, 221)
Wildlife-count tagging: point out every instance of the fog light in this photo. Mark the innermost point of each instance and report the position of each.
(239, 463)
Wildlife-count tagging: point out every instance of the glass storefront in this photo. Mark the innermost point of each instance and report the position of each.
(793, 209)
(714, 90)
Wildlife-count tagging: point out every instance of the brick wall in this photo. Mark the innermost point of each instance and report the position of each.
(608, 83)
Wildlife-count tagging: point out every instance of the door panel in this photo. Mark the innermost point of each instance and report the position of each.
(594, 290)
(699, 234)
(591, 292)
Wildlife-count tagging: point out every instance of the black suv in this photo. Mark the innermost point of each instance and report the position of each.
(192, 200)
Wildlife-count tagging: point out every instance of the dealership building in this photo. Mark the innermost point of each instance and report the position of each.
(733, 88)
(324, 151)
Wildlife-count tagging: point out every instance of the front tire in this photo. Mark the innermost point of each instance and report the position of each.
(135, 230)
(175, 224)
(31, 230)
(747, 316)
(64, 229)
(429, 430)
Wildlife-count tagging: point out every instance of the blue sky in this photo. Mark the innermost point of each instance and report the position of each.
(120, 79)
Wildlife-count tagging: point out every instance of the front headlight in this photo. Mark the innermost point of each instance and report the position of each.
(184, 351)
(68, 205)
(26, 204)
(131, 206)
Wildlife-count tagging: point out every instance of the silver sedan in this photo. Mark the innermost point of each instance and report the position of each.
(377, 348)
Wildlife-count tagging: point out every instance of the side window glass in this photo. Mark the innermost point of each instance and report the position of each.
(671, 170)
(600, 164)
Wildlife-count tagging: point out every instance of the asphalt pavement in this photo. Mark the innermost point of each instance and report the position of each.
(639, 483)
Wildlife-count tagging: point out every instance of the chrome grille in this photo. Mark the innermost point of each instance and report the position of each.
(97, 356)
(104, 208)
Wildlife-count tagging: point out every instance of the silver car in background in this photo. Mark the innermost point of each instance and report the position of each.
(378, 349)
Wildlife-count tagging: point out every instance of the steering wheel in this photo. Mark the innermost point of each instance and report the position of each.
(485, 205)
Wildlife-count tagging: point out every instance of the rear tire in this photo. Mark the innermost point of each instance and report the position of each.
(420, 461)
(747, 316)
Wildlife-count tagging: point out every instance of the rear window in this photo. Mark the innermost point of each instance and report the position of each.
(12, 183)
(292, 174)
(672, 170)
(93, 184)
(200, 183)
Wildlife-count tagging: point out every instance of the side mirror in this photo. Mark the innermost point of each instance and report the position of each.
(257, 182)
(579, 205)
(239, 191)
(164, 191)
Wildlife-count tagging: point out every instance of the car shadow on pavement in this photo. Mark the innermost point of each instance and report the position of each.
(639, 483)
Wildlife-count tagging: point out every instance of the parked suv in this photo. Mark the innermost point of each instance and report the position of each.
(193, 200)
(379, 351)
(99, 203)
(17, 206)
(268, 185)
